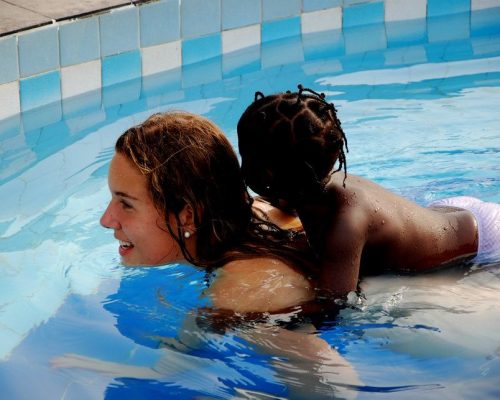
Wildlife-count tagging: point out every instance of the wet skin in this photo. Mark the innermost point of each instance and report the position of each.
(137, 224)
(364, 227)
(271, 285)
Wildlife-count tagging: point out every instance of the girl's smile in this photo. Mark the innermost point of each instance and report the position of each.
(138, 225)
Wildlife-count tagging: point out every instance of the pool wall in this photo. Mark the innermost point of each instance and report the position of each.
(177, 44)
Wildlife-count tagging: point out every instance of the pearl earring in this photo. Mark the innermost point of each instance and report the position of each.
(187, 234)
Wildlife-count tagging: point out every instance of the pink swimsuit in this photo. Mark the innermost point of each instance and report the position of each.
(488, 221)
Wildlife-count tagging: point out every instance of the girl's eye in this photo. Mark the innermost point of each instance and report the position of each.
(125, 205)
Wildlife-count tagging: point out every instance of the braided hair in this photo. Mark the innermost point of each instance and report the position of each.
(290, 143)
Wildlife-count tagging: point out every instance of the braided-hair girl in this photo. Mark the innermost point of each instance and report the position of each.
(289, 145)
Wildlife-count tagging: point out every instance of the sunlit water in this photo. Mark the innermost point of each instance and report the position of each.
(420, 120)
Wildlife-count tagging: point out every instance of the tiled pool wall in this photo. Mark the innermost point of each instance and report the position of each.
(184, 43)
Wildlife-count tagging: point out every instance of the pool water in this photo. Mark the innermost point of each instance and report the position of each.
(420, 120)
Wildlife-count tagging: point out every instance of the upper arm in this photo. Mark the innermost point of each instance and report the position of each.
(340, 257)
(259, 285)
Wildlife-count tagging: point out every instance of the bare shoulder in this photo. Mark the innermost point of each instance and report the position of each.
(259, 285)
(276, 215)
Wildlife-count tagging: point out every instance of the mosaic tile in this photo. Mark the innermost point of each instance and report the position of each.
(9, 99)
(365, 38)
(317, 46)
(161, 58)
(200, 49)
(436, 8)
(159, 22)
(119, 31)
(484, 4)
(238, 39)
(39, 90)
(9, 70)
(314, 5)
(81, 78)
(38, 51)
(448, 27)
(200, 17)
(485, 21)
(239, 13)
(277, 9)
(202, 72)
(79, 41)
(121, 68)
(282, 52)
(363, 14)
(406, 32)
(280, 29)
(324, 20)
(402, 10)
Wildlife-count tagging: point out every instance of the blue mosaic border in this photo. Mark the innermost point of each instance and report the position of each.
(166, 39)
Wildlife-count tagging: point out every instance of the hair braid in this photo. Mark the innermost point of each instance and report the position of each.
(302, 134)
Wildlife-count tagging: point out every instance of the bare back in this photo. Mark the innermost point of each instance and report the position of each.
(363, 226)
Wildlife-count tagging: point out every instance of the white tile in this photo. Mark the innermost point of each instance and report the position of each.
(401, 10)
(80, 78)
(9, 99)
(164, 57)
(483, 4)
(323, 20)
(237, 39)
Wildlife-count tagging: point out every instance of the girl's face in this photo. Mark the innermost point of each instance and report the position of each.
(137, 224)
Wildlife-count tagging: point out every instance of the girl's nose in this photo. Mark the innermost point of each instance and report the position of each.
(107, 220)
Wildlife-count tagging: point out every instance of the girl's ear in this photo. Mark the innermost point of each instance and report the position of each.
(188, 218)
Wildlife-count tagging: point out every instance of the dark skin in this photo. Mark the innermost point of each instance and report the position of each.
(362, 228)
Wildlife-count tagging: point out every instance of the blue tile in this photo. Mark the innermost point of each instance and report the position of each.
(280, 29)
(238, 13)
(241, 62)
(448, 27)
(121, 68)
(201, 73)
(40, 90)
(276, 9)
(485, 22)
(39, 118)
(121, 93)
(365, 38)
(282, 52)
(119, 31)
(200, 49)
(38, 51)
(83, 105)
(327, 44)
(313, 5)
(79, 41)
(8, 67)
(363, 14)
(436, 8)
(160, 22)
(400, 33)
(200, 17)
(164, 82)
(9, 129)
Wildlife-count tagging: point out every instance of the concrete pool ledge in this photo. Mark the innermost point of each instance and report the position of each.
(57, 49)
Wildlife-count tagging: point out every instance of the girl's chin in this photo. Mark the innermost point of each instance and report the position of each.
(130, 258)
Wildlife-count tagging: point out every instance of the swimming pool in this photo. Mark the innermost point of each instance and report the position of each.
(420, 120)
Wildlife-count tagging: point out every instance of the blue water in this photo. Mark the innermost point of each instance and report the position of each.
(420, 120)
